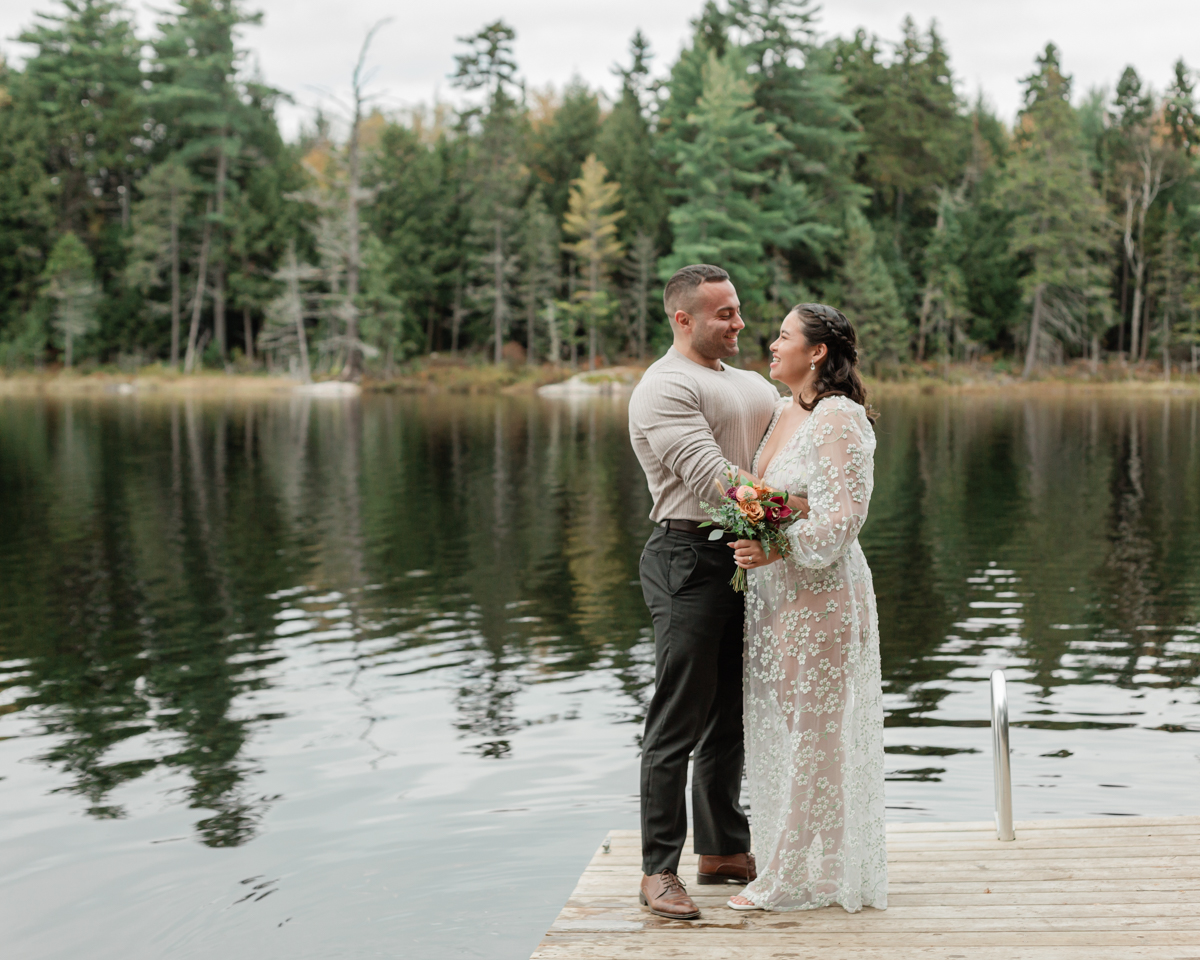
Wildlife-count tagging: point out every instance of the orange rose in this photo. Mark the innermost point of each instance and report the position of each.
(752, 510)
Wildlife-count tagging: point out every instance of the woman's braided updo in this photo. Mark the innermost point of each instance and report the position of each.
(837, 374)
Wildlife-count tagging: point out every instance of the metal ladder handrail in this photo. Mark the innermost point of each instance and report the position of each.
(1000, 758)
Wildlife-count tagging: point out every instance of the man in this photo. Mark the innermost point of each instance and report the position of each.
(692, 418)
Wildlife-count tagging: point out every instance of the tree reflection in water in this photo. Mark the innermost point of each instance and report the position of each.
(163, 563)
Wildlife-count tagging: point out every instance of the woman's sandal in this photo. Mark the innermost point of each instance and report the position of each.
(749, 905)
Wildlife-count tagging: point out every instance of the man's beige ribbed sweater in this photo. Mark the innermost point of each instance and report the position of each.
(689, 423)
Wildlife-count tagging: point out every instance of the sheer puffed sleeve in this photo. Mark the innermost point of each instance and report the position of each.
(839, 486)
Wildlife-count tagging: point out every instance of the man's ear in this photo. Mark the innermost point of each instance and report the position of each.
(683, 320)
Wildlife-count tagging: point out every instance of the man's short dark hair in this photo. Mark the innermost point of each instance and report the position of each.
(679, 293)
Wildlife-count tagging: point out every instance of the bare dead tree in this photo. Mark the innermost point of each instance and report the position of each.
(354, 196)
(1148, 168)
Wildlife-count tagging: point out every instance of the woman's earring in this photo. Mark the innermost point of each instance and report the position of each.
(812, 365)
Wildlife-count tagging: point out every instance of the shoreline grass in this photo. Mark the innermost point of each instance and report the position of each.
(474, 378)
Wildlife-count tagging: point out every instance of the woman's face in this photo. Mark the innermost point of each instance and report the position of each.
(791, 355)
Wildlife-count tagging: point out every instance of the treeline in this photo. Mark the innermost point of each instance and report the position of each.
(151, 211)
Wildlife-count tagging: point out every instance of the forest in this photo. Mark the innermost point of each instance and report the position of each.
(151, 212)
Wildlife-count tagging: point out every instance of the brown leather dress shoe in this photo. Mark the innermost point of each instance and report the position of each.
(735, 868)
(666, 896)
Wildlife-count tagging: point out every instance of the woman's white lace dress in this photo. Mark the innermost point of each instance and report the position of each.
(814, 710)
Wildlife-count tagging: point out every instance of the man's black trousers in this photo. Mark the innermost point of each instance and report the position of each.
(697, 705)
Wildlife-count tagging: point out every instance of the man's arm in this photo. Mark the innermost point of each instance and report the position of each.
(667, 413)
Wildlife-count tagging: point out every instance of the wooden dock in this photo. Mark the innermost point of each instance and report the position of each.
(1106, 889)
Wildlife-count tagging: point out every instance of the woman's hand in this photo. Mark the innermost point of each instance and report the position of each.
(750, 554)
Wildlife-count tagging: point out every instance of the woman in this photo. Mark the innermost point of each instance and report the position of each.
(814, 711)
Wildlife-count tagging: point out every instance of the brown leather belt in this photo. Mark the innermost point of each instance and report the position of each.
(694, 528)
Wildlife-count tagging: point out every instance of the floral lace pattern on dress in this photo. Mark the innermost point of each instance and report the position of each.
(814, 706)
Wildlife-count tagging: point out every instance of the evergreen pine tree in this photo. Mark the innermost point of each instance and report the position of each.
(197, 97)
(421, 214)
(539, 254)
(868, 296)
(625, 145)
(496, 171)
(156, 241)
(262, 220)
(731, 206)
(1059, 223)
(1140, 161)
(1176, 290)
(1179, 111)
(27, 219)
(84, 78)
(641, 268)
(384, 326)
(944, 309)
(799, 93)
(559, 144)
(813, 177)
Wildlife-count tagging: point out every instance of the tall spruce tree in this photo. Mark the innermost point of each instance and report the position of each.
(799, 95)
(1176, 289)
(797, 90)
(944, 307)
(1141, 159)
(422, 215)
(559, 144)
(917, 136)
(85, 80)
(1179, 111)
(625, 145)
(539, 256)
(731, 206)
(27, 221)
(197, 96)
(496, 170)
(157, 239)
(868, 296)
(1059, 225)
(641, 269)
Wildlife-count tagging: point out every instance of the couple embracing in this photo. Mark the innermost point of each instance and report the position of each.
(785, 680)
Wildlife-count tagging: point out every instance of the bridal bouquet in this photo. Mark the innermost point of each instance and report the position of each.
(753, 512)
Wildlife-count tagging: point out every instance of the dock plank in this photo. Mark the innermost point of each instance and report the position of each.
(1085, 889)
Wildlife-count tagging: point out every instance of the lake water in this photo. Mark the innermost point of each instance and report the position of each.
(328, 678)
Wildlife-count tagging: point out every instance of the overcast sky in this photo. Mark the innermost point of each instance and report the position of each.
(307, 46)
